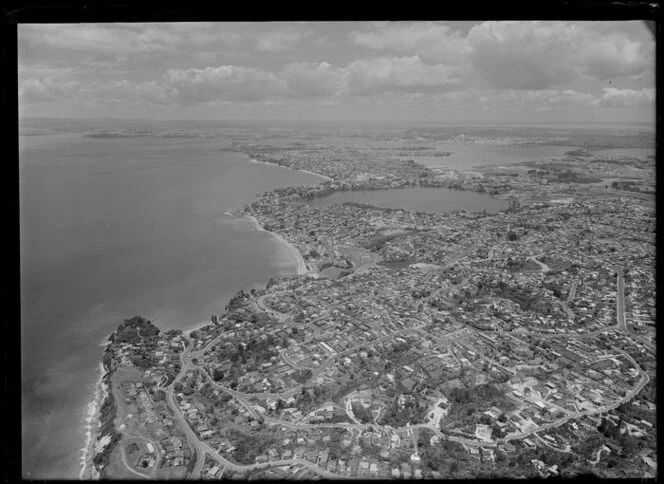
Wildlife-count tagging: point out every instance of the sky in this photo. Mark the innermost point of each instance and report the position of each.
(553, 71)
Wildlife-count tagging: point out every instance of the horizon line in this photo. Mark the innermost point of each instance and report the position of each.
(355, 120)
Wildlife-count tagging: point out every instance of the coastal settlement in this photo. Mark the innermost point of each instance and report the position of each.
(415, 345)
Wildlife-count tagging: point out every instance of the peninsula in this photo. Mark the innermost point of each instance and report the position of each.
(414, 345)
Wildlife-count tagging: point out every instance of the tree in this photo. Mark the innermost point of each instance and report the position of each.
(629, 446)
(423, 441)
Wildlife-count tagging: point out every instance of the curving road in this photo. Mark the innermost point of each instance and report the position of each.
(603, 448)
(566, 450)
(123, 457)
(202, 449)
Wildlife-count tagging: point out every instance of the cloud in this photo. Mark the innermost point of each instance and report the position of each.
(125, 92)
(35, 90)
(538, 55)
(327, 102)
(43, 70)
(628, 98)
(117, 38)
(280, 40)
(205, 34)
(310, 79)
(525, 65)
(231, 83)
(522, 55)
(428, 40)
(549, 97)
(48, 89)
(313, 79)
(453, 98)
(123, 39)
(408, 74)
(129, 38)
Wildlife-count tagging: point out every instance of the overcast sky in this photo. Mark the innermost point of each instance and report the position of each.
(485, 71)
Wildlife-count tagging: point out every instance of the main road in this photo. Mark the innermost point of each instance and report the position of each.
(621, 322)
(202, 449)
(620, 309)
(191, 436)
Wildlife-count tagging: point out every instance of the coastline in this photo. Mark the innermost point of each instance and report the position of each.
(187, 332)
(93, 424)
(302, 267)
(327, 178)
(95, 441)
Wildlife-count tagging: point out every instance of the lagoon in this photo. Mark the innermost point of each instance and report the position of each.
(465, 157)
(419, 199)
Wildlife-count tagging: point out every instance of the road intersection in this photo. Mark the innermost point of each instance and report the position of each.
(203, 449)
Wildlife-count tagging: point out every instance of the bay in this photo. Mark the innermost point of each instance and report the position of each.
(111, 228)
(464, 157)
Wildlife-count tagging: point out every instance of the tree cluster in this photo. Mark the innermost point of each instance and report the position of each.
(364, 415)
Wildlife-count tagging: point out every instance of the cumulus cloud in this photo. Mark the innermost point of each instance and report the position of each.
(398, 74)
(628, 98)
(428, 40)
(539, 55)
(36, 90)
(233, 83)
(538, 65)
(522, 55)
(313, 79)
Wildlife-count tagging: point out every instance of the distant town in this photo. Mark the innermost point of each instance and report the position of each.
(417, 344)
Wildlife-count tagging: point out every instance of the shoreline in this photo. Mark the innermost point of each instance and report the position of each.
(187, 332)
(92, 425)
(92, 420)
(327, 178)
(302, 267)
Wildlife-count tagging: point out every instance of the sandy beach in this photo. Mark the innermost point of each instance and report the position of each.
(196, 326)
(301, 264)
(317, 174)
(327, 178)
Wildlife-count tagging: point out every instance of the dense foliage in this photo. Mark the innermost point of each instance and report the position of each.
(132, 330)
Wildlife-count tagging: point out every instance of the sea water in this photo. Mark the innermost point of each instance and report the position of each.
(111, 228)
